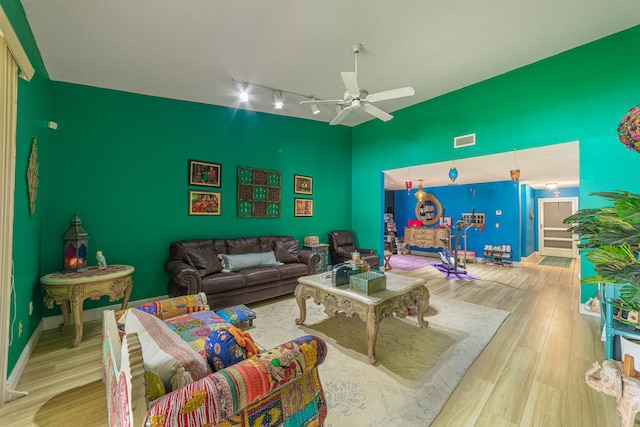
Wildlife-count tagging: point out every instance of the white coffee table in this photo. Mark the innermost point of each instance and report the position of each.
(402, 292)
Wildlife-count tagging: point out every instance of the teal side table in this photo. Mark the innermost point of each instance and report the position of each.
(323, 250)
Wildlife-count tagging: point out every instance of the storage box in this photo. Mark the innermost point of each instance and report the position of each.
(311, 240)
(368, 283)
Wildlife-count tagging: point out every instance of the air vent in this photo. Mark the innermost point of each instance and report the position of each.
(464, 140)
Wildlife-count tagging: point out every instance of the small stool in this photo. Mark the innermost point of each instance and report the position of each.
(237, 314)
(387, 257)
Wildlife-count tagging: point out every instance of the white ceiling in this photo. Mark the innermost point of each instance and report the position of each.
(559, 163)
(194, 50)
(191, 50)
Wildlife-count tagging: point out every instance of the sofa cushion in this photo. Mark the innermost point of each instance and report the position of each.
(293, 270)
(222, 282)
(238, 262)
(194, 328)
(243, 245)
(261, 275)
(163, 350)
(287, 252)
(205, 259)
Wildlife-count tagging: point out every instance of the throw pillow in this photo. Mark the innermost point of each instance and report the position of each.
(223, 350)
(154, 387)
(205, 259)
(287, 252)
(163, 351)
(237, 314)
(237, 262)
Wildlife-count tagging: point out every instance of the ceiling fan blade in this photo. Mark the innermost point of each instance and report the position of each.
(351, 83)
(323, 101)
(391, 94)
(375, 111)
(340, 117)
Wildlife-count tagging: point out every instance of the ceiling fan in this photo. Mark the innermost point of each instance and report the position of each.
(358, 98)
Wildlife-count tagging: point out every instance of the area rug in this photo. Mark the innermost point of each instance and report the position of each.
(556, 261)
(418, 368)
(464, 276)
(408, 262)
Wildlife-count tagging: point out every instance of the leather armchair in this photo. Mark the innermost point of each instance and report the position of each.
(342, 244)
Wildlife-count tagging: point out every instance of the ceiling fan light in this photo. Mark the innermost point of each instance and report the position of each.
(278, 103)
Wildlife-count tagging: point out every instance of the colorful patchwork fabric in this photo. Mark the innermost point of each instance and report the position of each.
(286, 375)
(237, 314)
(194, 328)
(171, 307)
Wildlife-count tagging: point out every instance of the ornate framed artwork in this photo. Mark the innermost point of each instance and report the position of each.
(204, 173)
(302, 185)
(204, 203)
(303, 207)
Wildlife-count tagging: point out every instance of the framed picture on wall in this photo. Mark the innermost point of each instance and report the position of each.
(302, 185)
(303, 207)
(204, 173)
(204, 203)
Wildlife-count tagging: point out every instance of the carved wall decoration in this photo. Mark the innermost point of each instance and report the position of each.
(32, 176)
(259, 193)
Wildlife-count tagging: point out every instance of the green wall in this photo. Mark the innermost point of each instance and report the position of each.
(577, 95)
(120, 163)
(32, 116)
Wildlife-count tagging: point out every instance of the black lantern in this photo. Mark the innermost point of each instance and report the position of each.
(74, 246)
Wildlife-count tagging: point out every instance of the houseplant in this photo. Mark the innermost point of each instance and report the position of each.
(610, 237)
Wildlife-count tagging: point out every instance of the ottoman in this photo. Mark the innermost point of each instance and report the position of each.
(237, 314)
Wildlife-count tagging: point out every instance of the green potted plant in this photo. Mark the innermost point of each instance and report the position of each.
(610, 237)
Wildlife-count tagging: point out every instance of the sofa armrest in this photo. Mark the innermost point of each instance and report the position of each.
(310, 258)
(218, 396)
(184, 276)
(366, 251)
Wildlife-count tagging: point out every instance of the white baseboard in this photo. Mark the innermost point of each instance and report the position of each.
(18, 369)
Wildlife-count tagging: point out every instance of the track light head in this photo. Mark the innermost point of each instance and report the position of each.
(315, 109)
(278, 103)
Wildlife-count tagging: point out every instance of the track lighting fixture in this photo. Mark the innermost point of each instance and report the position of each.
(244, 95)
(277, 94)
(278, 103)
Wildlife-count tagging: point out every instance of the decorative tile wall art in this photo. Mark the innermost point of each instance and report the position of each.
(259, 193)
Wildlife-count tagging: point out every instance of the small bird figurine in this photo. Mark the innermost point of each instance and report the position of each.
(102, 262)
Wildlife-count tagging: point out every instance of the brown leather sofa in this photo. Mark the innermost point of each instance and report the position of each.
(194, 266)
(342, 244)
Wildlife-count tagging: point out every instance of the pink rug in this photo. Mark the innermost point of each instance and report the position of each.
(408, 263)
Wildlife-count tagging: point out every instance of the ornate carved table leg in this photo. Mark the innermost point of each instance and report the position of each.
(373, 321)
(64, 306)
(302, 305)
(423, 305)
(76, 307)
(127, 293)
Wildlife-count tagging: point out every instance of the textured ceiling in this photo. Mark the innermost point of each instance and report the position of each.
(193, 50)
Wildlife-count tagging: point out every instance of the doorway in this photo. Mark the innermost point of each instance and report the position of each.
(553, 237)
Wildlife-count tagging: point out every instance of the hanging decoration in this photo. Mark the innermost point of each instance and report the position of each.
(408, 183)
(420, 194)
(32, 176)
(453, 174)
(629, 129)
(515, 169)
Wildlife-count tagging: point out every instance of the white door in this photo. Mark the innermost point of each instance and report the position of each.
(553, 237)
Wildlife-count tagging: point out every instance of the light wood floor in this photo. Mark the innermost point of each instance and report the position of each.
(531, 374)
